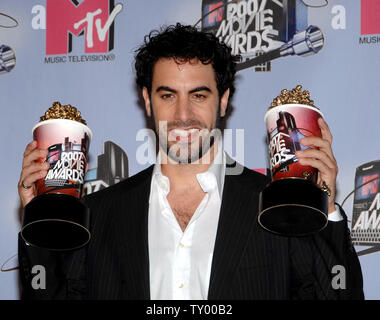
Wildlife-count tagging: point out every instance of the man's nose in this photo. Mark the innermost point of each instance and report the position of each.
(183, 109)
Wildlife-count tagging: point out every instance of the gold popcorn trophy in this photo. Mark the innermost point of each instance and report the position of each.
(292, 203)
(56, 218)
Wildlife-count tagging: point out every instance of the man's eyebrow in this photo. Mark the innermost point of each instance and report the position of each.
(203, 88)
(164, 88)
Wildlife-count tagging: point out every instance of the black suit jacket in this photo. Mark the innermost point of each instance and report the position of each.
(248, 262)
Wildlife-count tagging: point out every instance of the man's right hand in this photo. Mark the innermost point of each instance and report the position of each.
(32, 170)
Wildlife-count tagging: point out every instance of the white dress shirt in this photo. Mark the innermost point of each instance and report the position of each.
(180, 261)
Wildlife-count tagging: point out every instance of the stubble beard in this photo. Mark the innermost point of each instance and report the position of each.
(193, 152)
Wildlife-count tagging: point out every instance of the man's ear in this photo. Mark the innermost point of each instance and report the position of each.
(146, 97)
(224, 102)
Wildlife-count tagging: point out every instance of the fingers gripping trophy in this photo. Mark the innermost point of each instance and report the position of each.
(56, 218)
(293, 203)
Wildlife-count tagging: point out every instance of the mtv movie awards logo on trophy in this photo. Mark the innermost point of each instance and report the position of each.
(260, 31)
(92, 20)
(67, 162)
(370, 22)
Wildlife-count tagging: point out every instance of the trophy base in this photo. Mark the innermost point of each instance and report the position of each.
(293, 207)
(56, 222)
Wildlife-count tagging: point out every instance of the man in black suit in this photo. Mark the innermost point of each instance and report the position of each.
(186, 228)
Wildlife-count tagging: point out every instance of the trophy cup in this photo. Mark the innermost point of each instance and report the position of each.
(292, 204)
(56, 218)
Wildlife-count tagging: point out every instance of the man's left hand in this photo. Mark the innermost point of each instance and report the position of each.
(321, 157)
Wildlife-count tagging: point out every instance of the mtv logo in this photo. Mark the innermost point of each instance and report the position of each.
(93, 18)
(370, 17)
(213, 14)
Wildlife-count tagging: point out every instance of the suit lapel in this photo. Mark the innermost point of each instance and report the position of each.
(237, 218)
(134, 239)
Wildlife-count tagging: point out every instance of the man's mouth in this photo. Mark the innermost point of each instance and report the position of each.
(184, 135)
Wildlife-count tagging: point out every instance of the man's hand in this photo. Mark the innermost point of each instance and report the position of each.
(321, 157)
(32, 170)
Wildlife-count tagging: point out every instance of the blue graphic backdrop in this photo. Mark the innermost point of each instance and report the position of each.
(342, 78)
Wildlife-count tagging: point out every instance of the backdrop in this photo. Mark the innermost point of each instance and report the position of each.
(82, 53)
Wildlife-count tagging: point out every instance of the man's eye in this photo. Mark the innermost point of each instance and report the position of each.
(199, 96)
(167, 96)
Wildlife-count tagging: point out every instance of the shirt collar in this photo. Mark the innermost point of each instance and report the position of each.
(213, 177)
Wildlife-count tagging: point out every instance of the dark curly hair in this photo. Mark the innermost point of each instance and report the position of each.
(185, 42)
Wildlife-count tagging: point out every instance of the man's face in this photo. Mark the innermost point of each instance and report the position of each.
(185, 101)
